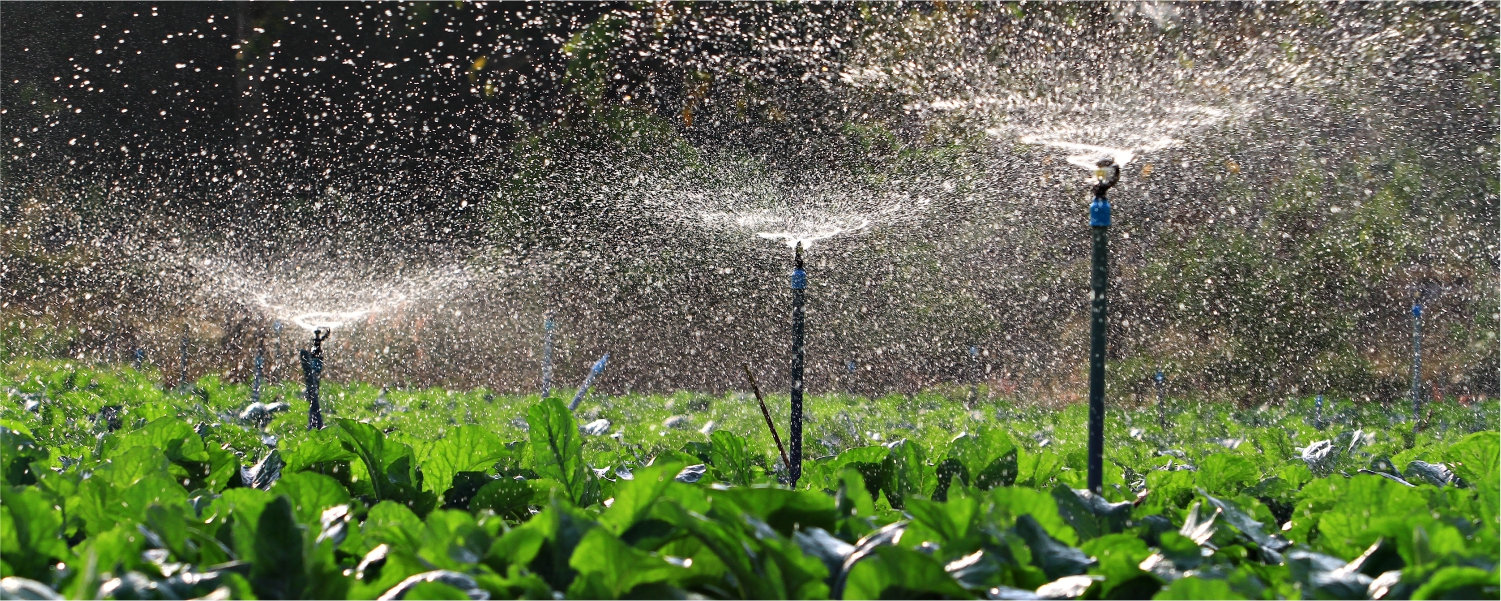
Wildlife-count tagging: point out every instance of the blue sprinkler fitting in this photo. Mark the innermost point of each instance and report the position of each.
(599, 366)
(1099, 213)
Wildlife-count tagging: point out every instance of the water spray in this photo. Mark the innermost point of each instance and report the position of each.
(799, 285)
(599, 366)
(547, 325)
(312, 374)
(1417, 364)
(766, 413)
(1107, 173)
(137, 356)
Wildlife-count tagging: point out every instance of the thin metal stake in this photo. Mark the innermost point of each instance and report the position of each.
(766, 413)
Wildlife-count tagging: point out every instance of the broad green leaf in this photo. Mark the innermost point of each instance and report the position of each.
(988, 456)
(310, 493)
(731, 460)
(1012, 502)
(392, 523)
(32, 532)
(1226, 474)
(609, 569)
(507, 497)
(1194, 587)
(131, 465)
(1053, 557)
(892, 572)
(780, 508)
(557, 447)
(634, 498)
(307, 448)
(1120, 557)
(1460, 582)
(17, 451)
(1090, 514)
(452, 540)
(369, 444)
(280, 569)
(173, 436)
(905, 472)
(461, 449)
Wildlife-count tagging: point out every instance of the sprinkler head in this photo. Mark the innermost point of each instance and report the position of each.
(1106, 174)
(798, 256)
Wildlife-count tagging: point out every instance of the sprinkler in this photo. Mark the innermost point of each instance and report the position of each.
(137, 357)
(547, 354)
(276, 352)
(1161, 401)
(1417, 364)
(312, 372)
(799, 285)
(260, 374)
(182, 352)
(1318, 412)
(1107, 173)
(974, 381)
(599, 366)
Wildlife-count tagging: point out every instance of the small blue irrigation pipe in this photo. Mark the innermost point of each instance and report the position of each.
(547, 326)
(137, 356)
(599, 366)
(1417, 365)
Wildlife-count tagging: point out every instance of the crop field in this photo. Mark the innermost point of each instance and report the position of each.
(116, 488)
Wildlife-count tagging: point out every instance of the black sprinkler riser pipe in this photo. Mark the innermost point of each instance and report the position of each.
(1099, 224)
(312, 375)
(799, 286)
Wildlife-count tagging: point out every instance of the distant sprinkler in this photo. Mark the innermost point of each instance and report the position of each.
(182, 351)
(276, 352)
(260, 369)
(1107, 173)
(312, 374)
(1161, 400)
(1318, 412)
(799, 285)
(137, 357)
(1417, 364)
(599, 366)
(547, 327)
(974, 380)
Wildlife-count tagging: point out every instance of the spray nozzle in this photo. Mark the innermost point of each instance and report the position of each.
(798, 258)
(1106, 174)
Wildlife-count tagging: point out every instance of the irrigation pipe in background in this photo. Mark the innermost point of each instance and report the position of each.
(766, 413)
(599, 366)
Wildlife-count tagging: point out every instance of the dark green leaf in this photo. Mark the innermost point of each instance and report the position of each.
(280, 571)
(557, 447)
